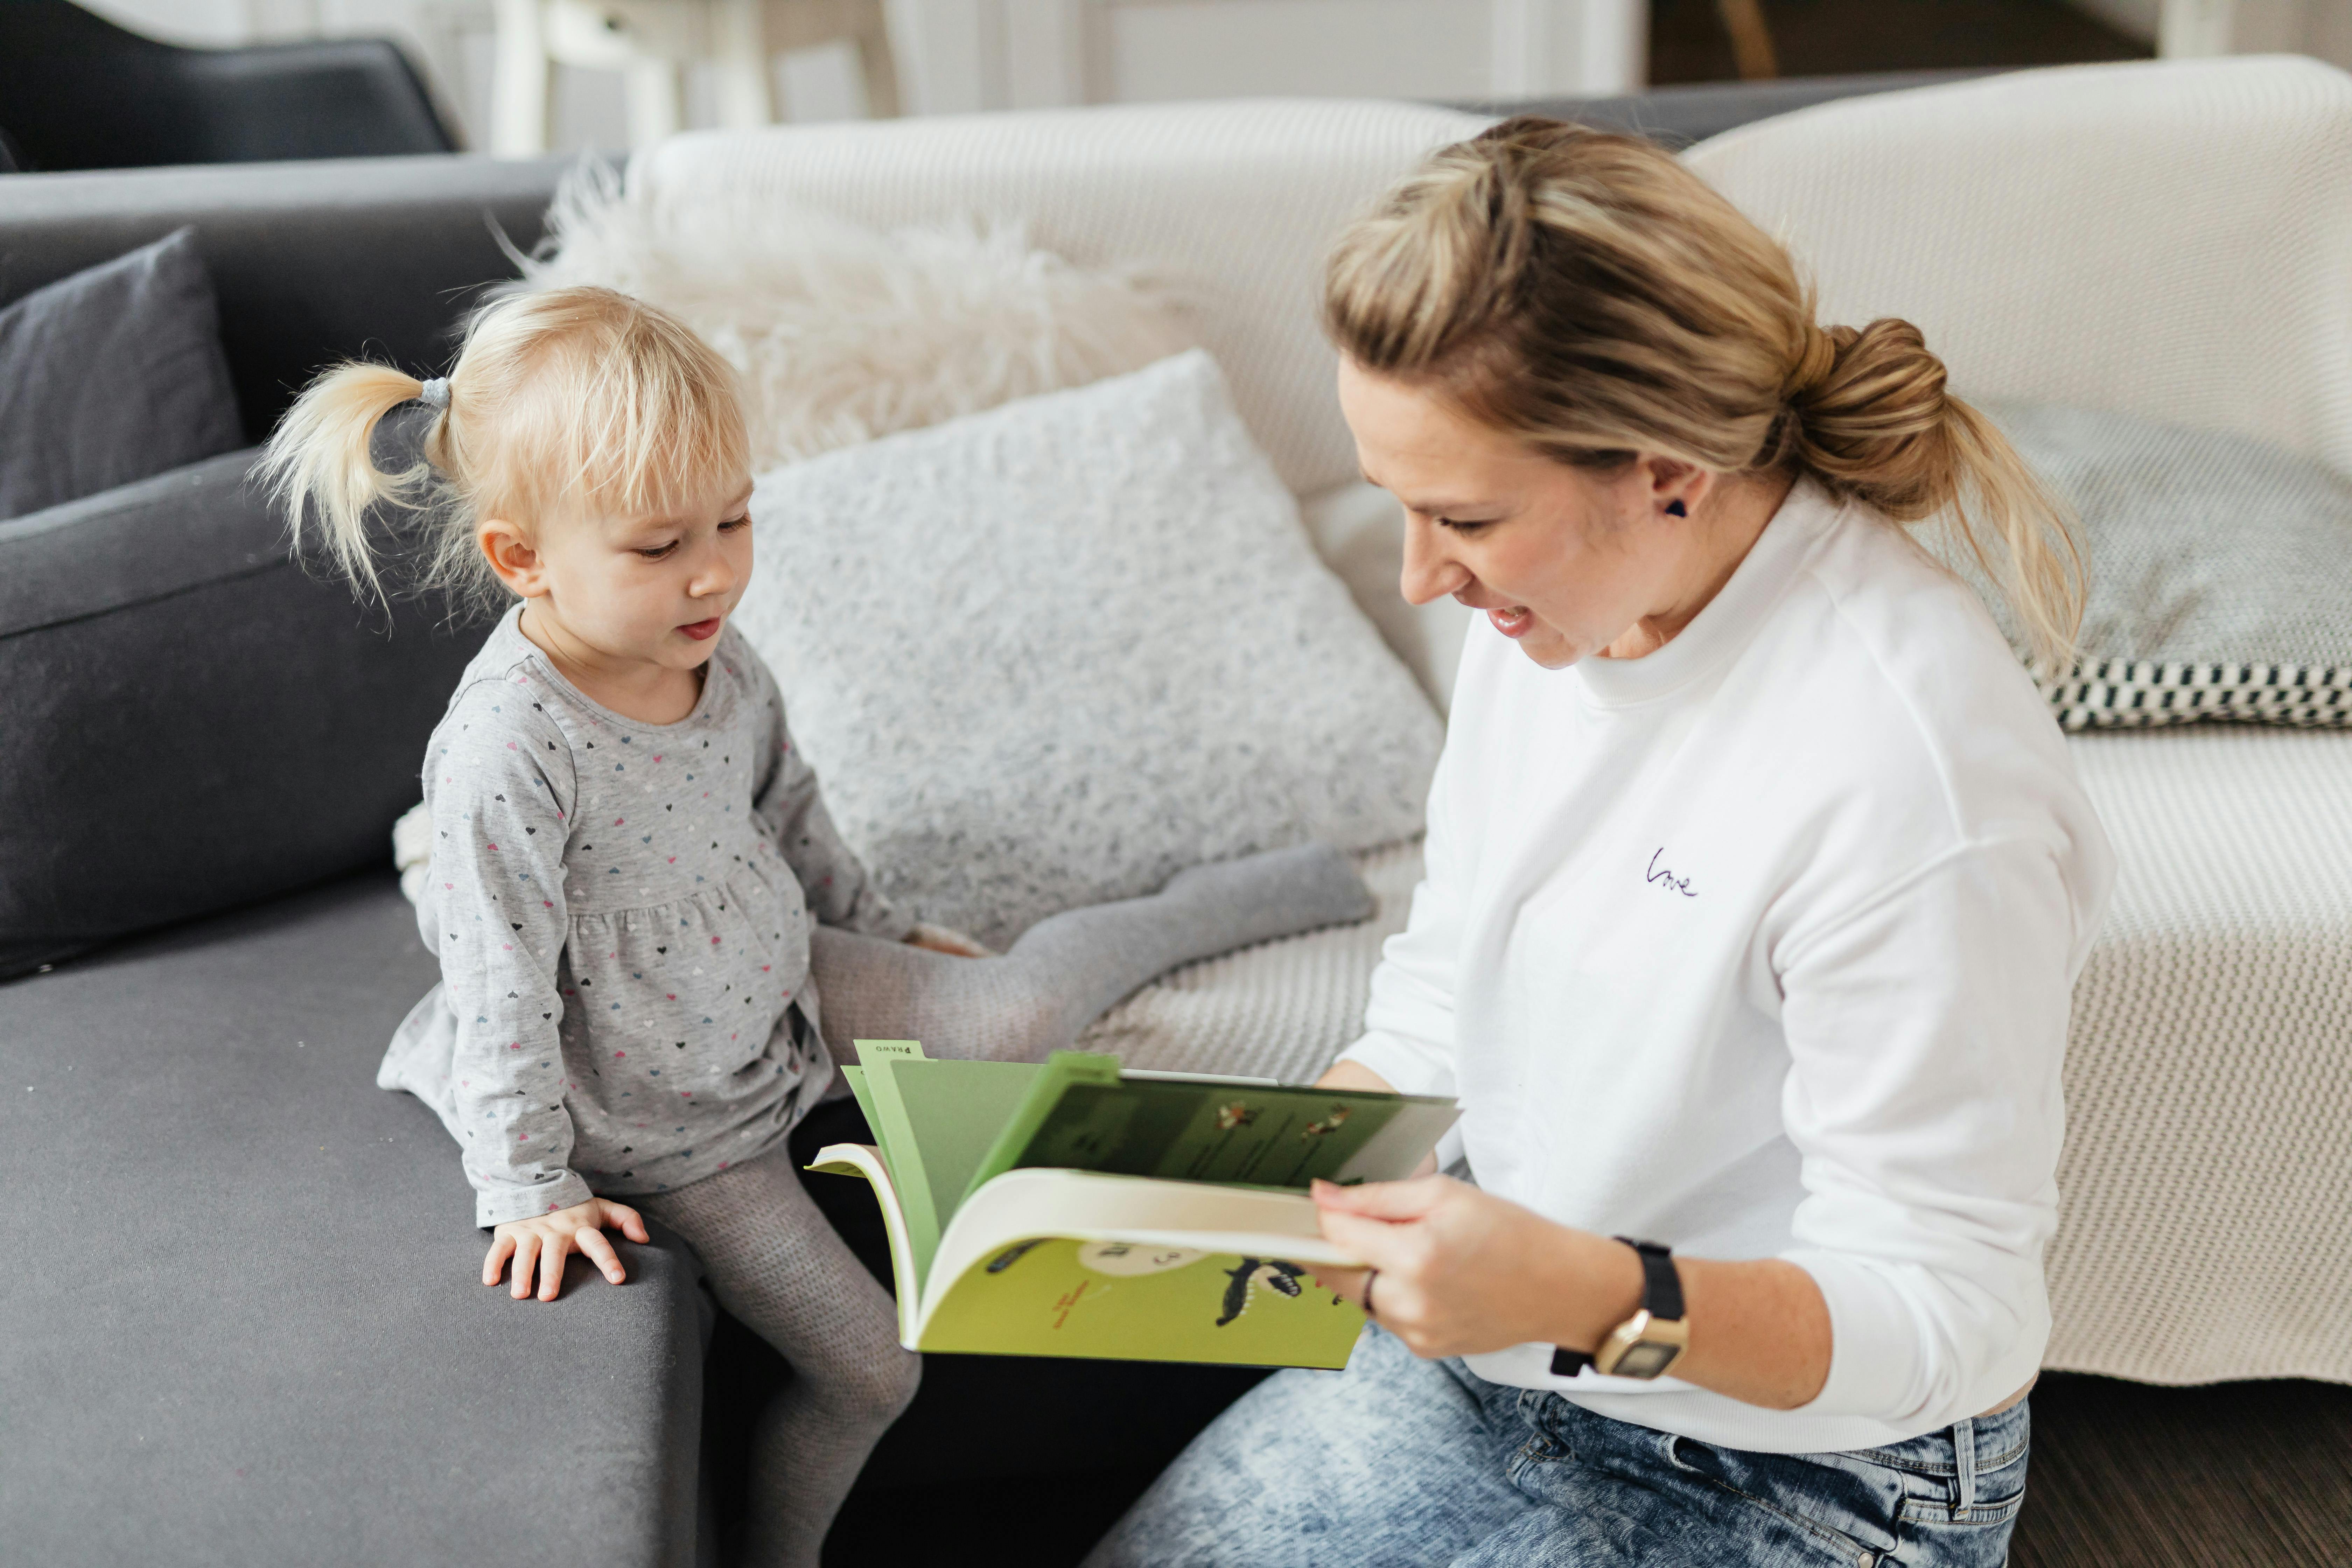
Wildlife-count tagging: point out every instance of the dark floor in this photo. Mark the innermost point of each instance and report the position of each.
(2249, 1475)
(1689, 41)
(2240, 1475)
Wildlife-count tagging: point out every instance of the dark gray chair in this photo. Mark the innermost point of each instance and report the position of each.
(78, 92)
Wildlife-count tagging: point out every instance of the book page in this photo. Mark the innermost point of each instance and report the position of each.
(1246, 1135)
(865, 1160)
(1068, 1263)
(956, 1109)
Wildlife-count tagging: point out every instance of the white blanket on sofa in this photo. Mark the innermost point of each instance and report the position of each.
(2204, 1232)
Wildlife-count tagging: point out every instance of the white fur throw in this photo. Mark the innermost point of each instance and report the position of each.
(844, 333)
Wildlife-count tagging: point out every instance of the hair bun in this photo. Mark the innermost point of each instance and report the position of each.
(1873, 420)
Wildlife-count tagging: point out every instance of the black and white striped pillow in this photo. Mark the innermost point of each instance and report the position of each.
(2129, 694)
(2221, 573)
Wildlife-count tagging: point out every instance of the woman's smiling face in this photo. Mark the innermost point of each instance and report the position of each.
(1565, 561)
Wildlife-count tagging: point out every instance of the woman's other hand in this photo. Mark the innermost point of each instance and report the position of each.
(943, 938)
(544, 1241)
(1461, 1271)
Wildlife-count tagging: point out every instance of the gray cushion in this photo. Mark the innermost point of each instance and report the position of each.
(242, 1319)
(1054, 653)
(193, 722)
(110, 376)
(2221, 572)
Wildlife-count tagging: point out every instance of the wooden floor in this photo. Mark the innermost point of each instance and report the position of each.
(2239, 1475)
(1834, 37)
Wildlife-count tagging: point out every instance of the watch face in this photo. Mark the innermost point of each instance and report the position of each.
(1646, 1360)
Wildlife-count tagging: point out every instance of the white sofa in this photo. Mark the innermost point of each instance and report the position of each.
(2169, 240)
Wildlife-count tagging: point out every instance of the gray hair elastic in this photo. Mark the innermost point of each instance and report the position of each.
(435, 391)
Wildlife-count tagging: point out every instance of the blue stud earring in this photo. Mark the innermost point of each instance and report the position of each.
(1676, 509)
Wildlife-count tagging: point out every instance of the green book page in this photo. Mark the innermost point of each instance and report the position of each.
(957, 1110)
(856, 1078)
(1245, 1135)
(1123, 1302)
(902, 1152)
(1062, 1070)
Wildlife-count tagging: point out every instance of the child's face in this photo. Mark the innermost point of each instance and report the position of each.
(627, 590)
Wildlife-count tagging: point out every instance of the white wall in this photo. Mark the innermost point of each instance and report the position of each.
(2185, 27)
(960, 55)
(450, 41)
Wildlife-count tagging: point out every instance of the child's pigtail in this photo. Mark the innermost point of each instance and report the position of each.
(319, 468)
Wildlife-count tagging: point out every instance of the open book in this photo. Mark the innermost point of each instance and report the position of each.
(1073, 1209)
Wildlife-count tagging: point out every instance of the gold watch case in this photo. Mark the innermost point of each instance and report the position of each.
(1642, 1346)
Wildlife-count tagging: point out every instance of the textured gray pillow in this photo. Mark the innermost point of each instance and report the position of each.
(113, 375)
(1054, 653)
(2221, 572)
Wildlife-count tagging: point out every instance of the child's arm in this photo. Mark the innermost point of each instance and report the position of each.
(499, 781)
(839, 890)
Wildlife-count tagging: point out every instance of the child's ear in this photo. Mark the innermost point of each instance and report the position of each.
(510, 555)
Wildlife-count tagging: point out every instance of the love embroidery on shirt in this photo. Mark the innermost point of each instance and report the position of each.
(1666, 878)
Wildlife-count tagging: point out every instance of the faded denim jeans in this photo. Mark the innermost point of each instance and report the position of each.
(1404, 1461)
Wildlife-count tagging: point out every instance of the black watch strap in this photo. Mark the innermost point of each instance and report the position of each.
(1662, 1297)
(1662, 1287)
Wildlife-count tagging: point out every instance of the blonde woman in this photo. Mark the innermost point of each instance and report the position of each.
(648, 929)
(1758, 878)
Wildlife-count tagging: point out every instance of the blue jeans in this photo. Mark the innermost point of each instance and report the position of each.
(1404, 1461)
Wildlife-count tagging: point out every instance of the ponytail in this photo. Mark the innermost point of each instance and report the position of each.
(562, 400)
(321, 468)
(1587, 294)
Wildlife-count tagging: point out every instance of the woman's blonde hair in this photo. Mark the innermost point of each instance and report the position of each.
(562, 400)
(1587, 294)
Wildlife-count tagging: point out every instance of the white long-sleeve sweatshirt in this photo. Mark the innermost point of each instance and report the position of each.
(1761, 945)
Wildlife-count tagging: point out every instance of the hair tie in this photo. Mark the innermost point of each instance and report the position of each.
(435, 391)
(1814, 363)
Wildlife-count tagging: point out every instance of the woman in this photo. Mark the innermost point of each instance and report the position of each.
(1758, 878)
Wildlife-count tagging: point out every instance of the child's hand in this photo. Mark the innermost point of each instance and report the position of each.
(547, 1239)
(939, 939)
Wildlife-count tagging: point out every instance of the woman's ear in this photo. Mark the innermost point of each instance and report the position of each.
(510, 555)
(1675, 487)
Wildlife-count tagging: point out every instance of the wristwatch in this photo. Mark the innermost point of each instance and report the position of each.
(1649, 1341)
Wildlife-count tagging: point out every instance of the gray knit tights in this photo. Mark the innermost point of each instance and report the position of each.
(781, 1271)
(1065, 972)
(775, 1264)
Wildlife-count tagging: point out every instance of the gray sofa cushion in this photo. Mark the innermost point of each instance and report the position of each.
(112, 374)
(242, 1319)
(193, 722)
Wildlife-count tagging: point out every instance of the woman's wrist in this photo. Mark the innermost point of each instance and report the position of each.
(1582, 1284)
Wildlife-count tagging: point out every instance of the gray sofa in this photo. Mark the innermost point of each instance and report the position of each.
(240, 1321)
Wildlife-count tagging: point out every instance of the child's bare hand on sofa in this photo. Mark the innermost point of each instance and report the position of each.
(546, 1240)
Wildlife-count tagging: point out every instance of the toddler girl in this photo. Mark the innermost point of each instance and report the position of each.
(648, 929)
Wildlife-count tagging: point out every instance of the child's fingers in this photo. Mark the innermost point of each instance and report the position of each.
(598, 1251)
(631, 1223)
(501, 1248)
(550, 1269)
(525, 1253)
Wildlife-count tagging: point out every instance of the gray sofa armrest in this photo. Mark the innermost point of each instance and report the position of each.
(312, 261)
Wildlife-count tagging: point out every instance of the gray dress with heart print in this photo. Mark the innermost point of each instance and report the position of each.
(622, 913)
